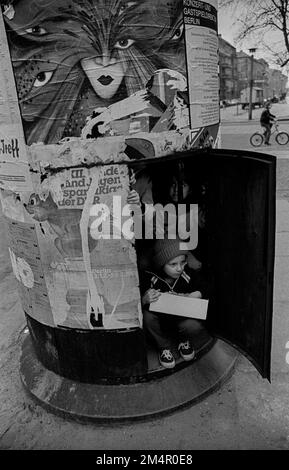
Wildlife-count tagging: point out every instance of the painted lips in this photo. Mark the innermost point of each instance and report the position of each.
(105, 80)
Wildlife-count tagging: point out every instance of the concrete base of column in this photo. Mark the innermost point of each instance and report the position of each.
(109, 403)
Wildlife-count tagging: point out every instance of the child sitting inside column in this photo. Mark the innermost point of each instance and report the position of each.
(169, 273)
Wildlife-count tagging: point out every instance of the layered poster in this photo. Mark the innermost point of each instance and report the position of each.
(81, 82)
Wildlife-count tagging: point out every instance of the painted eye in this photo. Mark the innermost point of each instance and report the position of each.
(36, 30)
(32, 201)
(42, 78)
(178, 33)
(124, 43)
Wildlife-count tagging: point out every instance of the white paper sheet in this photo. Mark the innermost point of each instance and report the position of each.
(181, 305)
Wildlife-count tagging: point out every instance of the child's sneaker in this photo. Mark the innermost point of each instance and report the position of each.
(186, 351)
(167, 359)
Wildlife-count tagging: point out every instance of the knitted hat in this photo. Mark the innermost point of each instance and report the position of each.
(165, 250)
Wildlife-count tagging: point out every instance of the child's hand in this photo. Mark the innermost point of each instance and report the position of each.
(195, 295)
(133, 197)
(151, 295)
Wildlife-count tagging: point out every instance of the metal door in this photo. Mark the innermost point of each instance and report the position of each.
(242, 199)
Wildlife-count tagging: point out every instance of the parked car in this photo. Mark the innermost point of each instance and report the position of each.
(234, 101)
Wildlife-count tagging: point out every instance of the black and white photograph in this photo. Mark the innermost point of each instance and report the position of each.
(144, 228)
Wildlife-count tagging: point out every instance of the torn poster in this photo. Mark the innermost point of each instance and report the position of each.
(114, 68)
(83, 81)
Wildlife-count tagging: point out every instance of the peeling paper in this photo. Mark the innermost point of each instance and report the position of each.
(77, 152)
(95, 300)
(11, 205)
(29, 270)
(108, 322)
(161, 144)
(9, 12)
(139, 113)
(14, 169)
(135, 103)
(54, 186)
(82, 153)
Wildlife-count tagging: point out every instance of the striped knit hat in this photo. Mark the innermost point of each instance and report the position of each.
(165, 250)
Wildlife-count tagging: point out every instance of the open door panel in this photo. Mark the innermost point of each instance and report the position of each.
(241, 225)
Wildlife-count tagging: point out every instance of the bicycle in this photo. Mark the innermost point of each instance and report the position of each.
(281, 137)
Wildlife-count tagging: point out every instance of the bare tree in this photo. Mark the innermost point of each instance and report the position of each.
(267, 20)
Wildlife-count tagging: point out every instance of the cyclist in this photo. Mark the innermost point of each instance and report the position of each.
(266, 120)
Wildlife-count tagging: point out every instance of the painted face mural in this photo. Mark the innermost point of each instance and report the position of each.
(71, 57)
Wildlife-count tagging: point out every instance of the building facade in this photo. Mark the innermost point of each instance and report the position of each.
(258, 71)
(235, 69)
(228, 70)
(277, 83)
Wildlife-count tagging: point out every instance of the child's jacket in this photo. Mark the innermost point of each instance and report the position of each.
(189, 281)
